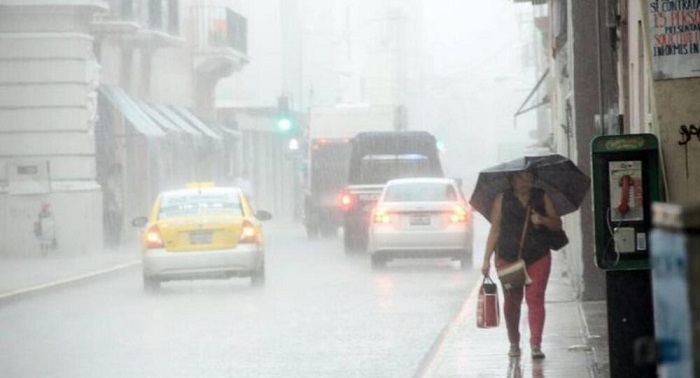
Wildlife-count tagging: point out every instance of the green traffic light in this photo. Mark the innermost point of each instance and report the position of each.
(284, 124)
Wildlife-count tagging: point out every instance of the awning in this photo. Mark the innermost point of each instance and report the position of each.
(225, 130)
(131, 110)
(177, 120)
(544, 101)
(196, 122)
(161, 120)
(155, 120)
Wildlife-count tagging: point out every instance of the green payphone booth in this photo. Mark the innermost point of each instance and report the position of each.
(626, 181)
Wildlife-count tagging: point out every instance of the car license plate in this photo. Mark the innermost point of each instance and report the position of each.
(200, 237)
(420, 220)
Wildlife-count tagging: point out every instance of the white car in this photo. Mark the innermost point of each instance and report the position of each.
(421, 218)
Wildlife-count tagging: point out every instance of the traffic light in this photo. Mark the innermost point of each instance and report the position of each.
(284, 122)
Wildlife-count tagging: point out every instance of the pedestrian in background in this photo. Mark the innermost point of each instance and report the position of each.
(508, 217)
(45, 229)
(113, 206)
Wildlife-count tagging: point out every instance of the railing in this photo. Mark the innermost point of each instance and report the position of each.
(158, 15)
(216, 26)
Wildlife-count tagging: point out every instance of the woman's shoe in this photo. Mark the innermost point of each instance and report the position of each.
(514, 351)
(537, 353)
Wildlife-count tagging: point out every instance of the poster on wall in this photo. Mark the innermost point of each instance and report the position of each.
(675, 38)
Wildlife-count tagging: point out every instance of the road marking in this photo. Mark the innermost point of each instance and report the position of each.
(437, 353)
(36, 288)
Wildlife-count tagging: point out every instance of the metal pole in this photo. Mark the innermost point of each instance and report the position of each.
(601, 103)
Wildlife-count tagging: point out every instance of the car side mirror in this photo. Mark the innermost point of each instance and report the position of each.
(263, 215)
(139, 222)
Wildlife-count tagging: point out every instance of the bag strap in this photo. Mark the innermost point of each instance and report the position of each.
(522, 237)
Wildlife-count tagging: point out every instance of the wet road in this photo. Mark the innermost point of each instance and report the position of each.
(321, 313)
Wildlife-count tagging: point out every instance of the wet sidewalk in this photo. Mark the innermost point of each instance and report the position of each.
(574, 340)
(21, 276)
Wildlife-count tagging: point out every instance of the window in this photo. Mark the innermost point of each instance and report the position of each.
(378, 169)
(193, 203)
(420, 191)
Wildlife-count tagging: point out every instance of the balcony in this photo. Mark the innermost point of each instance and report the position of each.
(220, 39)
(141, 23)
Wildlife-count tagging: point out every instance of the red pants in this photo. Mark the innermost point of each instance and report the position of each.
(534, 297)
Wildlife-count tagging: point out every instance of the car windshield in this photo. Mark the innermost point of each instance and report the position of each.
(378, 169)
(193, 203)
(420, 192)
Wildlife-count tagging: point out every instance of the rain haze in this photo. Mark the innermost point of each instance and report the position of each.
(270, 188)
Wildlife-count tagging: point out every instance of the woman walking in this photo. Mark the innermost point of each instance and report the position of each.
(511, 210)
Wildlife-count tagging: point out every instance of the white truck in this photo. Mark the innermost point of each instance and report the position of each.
(331, 130)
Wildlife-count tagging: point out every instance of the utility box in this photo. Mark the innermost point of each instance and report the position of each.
(675, 242)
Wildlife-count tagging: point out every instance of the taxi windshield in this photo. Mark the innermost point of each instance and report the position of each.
(193, 203)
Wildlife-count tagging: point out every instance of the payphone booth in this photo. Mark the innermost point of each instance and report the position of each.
(626, 181)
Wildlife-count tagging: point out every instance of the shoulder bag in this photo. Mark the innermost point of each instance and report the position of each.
(514, 275)
(554, 240)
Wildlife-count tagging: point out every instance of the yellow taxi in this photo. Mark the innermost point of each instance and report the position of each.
(202, 232)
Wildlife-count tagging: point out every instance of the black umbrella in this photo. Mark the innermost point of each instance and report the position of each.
(557, 175)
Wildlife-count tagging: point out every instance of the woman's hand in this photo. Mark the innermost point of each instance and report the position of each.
(486, 267)
(549, 221)
(536, 218)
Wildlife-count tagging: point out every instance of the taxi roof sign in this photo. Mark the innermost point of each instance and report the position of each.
(200, 184)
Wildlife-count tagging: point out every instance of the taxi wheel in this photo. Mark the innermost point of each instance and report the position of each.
(257, 278)
(150, 284)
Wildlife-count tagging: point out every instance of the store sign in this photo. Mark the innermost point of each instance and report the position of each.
(675, 38)
(29, 177)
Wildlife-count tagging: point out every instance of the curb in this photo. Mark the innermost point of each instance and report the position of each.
(21, 293)
(432, 360)
(593, 353)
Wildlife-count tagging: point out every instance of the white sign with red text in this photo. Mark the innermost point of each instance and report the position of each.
(675, 38)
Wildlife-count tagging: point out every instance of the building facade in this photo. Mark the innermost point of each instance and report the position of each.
(48, 88)
(104, 104)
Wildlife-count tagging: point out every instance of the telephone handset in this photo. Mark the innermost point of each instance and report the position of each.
(626, 197)
(623, 207)
(626, 205)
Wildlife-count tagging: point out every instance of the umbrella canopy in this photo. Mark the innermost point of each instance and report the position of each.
(558, 176)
